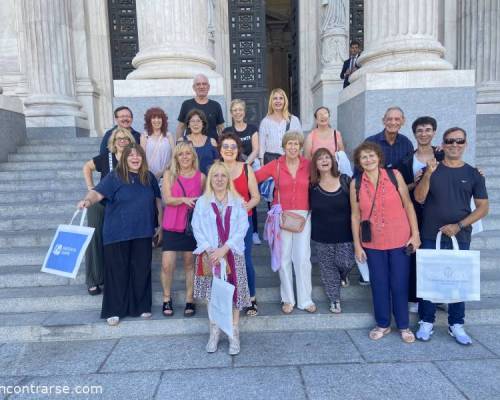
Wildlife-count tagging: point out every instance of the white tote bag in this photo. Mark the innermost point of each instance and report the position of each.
(343, 163)
(220, 306)
(448, 276)
(68, 247)
(363, 270)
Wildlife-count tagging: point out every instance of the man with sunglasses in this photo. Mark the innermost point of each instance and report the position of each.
(446, 190)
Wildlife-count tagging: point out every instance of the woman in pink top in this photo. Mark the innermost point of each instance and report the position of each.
(181, 186)
(323, 135)
(291, 176)
(381, 197)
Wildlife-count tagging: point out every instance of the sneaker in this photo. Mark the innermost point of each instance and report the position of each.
(256, 239)
(113, 321)
(362, 282)
(345, 282)
(335, 307)
(458, 332)
(413, 307)
(425, 331)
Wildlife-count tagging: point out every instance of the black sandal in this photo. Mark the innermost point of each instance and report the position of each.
(167, 306)
(253, 310)
(190, 310)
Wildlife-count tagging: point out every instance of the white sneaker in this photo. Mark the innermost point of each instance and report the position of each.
(113, 321)
(413, 307)
(425, 331)
(458, 332)
(256, 239)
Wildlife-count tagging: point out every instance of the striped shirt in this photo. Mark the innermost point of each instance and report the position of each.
(394, 153)
(271, 133)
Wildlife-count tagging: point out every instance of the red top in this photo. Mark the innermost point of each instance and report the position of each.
(294, 192)
(241, 186)
(390, 226)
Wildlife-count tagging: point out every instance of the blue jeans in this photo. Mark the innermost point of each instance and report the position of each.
(427, 309)
(248, 258)
(389, 271)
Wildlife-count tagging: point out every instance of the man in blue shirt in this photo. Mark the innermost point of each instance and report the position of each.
(123, 119)
(395, 145)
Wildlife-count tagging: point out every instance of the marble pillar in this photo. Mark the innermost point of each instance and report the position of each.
(403, 65)
(51, 107)
(173, 40)
(334, 44)
(479, 49)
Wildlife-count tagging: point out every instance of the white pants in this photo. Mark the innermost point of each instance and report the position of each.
(296, 250)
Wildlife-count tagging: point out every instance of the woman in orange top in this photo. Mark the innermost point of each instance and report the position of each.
(291, 176)
(243, 177)
(381, 197)
(323, 135)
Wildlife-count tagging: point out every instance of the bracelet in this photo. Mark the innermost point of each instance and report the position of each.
(460, 225)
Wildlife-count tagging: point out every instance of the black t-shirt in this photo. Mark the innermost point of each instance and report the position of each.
(101, 163)
(330, 215)
(212, 110)
(245, 137)
(449, 197)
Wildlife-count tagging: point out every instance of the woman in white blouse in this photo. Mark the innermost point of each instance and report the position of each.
(274, 126)
(220, 223)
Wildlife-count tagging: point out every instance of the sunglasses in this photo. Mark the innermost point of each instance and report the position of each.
(453, 140)
(232, 146)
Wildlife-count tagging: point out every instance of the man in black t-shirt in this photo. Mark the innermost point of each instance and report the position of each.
(446, 190)
(211, 108)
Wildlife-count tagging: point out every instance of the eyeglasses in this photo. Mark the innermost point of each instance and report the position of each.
(227, 146)
(195, 121)
(122, 139)
(453, 140)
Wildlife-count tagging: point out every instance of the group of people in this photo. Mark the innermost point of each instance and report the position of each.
(196, 192)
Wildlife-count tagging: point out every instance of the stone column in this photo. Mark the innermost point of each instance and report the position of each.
(173, 40)
(479, 46)
(401, 35)
(51, 102)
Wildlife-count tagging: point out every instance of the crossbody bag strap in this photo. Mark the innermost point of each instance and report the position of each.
(278, 181)
(375, 194)
(110, 161)
(182, 187)
(335, 140)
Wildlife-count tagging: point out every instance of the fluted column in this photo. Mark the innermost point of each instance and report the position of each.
(173, 40)
(401, 35)
(479, 45)
(49, 62)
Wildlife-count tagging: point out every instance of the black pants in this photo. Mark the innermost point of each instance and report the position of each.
(412, 283)
(127, 278)
(94, 257)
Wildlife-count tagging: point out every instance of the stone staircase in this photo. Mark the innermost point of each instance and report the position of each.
(39, 187)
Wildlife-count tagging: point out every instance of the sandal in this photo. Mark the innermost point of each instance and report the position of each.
(94, 290)
(190, 310)
(167, 306)
(311, 309)
(378, 332)
(407, 335)
(286, 308)
(252, 311)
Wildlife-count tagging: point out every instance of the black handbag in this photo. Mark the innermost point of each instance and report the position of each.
(188, 230)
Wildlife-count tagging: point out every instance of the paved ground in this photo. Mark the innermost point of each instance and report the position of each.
(334, 364)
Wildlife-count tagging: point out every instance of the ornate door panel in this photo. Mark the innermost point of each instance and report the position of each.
(123, 36)
(356, 30)
(294, 59)
(247, 41)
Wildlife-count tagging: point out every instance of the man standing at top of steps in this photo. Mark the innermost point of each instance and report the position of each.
(446, 190)
(211, 108)
(123, 119)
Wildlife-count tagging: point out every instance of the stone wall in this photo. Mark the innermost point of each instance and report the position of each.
(12, 125)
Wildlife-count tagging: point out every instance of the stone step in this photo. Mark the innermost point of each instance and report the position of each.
(492, 221)
(69, 140)
(59, 148)
(485, 160)
(486, 240)
(39, 196)
(35, 166)
(36, 157)
(484, 143)
(40, 209)
(87, 325)
(47, 175)
(485, 150)
(42, 184)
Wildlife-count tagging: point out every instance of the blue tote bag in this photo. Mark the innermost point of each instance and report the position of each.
(68, 247)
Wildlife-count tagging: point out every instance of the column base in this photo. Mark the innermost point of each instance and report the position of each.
(139, 95)
(326, 91)
(53, 127)
(448, 96)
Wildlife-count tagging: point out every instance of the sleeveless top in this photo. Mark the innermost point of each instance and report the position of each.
(158, 153)
(174, 217)
(241, 186)
(318, 143)
(390, 226)
(207, 154)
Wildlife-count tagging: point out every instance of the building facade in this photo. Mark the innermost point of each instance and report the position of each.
(72, 61)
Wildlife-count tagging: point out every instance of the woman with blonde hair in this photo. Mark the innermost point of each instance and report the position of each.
(220, 223)
(275, 124)
(103, 163)
(181, 187)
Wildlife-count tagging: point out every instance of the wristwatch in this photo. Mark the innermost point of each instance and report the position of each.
(460, 225)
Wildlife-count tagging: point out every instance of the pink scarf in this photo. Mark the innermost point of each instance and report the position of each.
(272, 233)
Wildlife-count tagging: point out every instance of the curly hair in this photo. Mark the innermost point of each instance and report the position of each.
(234, 137)
(150, 114)
(368, 146)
